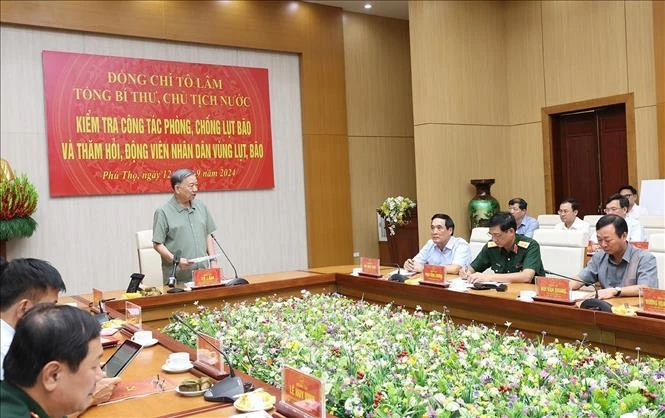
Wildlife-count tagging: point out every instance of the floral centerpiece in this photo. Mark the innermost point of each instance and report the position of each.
(18, 201)
(396, 211)
(384, 361)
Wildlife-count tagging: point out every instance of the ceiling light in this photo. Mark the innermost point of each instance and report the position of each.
(368, 6)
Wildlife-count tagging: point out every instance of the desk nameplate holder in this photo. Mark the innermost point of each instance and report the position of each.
(552, 290)
(652, 302)
(370, 267)
(434, 276)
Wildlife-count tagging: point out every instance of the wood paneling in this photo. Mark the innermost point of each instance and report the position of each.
(659, 54)
(639, 41)
(311, 30)
(448, 157)
(646, 134)
(458, 62)
(382, 167)
(378, 74)
(524, 68)
(526, 176)
(584, 43)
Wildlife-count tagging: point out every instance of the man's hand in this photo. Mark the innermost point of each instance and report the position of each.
(478, 277)
(103, 389)
(606, 293)
(410, 265)
(185, 263)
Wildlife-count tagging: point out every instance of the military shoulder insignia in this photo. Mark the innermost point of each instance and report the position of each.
(523, 244)
(491, 244)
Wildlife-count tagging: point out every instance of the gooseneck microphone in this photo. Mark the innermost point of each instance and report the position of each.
(176, 261)
(226, 390)
(594, 304)
(239, 279)
(398, 277)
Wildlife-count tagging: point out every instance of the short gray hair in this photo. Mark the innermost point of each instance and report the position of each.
(179, 175)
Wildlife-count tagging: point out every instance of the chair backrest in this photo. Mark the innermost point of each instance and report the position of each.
(657, 248)
(653, 224)
(478, 239)
(150, 262)
(591, 220)
(548, 221)
(562, 252)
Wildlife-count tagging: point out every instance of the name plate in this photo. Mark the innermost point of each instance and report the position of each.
(370, 267)
(207, 277)
(133, 316)
(302, 395)
(642, 245)
(652, 301)
(97, 297)
(434, 275)
(208, 356)
(553, 290)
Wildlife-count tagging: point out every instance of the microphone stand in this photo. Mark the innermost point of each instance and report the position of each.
(226, 390)
(594, 304)
(176, 261)
(227, 257)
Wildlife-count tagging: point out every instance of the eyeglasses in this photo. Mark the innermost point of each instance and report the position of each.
(495, 235)
(563, 211)
(627, 195)
(612, 210)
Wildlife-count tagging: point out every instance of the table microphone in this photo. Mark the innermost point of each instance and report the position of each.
(176, 261)
(398, 277)
(237, 280)
(594, 304)
(226, 390)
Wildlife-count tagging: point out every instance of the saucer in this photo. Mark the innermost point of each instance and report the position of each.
(171, 369)
(150, 343)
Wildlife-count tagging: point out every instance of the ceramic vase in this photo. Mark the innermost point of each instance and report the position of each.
(483, 205)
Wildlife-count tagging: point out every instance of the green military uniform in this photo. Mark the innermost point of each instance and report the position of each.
(16, 403)
(184, 229)
(525, 254)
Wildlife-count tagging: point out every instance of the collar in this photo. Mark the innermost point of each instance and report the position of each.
(449, 245)
(7, 330)
(36, 411)
(178, 207)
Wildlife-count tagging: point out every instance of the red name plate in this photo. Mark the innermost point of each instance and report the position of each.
(207, 277)
(303, 392)
(551, 288)
(435, 274)
(653, 300)
(642, 245)
(97, 296)
(370, 266)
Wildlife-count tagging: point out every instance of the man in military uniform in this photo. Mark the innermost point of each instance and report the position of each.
(513, 257)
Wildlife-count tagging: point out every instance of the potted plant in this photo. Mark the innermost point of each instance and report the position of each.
(18, 201)
(396, 211)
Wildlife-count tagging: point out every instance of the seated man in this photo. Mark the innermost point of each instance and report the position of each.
(514, 258)
(620, 268)
(25, 282)
(526, 225)
(618, 205)
(53, 363)
(443, 249)
(568, 210)
(634, 210)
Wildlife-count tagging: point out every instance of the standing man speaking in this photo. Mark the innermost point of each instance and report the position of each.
(183, 224)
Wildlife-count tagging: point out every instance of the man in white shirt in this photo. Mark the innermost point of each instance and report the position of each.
(618, 205)
(634, 210)
(568, 210)
(25, 282)
(443, 249)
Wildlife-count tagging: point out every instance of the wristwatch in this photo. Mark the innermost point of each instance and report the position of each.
(617, 292)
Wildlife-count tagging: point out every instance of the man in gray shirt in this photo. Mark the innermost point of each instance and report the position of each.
(621, 268)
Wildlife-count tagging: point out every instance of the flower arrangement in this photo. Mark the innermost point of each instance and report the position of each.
(396, 211)
(384, 361)
(18, 201)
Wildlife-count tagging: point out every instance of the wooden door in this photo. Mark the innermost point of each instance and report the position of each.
(590, 159)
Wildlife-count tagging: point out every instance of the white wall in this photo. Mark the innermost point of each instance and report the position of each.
(91, 239)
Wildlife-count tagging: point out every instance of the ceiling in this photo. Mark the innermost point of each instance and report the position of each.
(398, 9)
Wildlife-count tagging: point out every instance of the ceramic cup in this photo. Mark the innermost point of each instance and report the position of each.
(142, 337)
(527, 295)
(178, 360)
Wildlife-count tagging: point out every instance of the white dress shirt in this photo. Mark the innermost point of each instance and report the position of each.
(6, 337)
(636, 212)
(578, 225)
(635, 231)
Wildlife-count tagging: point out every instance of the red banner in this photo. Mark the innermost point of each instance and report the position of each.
(122, 125)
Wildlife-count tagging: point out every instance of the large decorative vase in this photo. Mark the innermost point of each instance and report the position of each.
(483, 205)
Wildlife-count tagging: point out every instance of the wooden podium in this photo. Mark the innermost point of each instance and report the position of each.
(401, 246)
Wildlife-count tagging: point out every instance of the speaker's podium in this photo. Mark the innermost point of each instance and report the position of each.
(401, 246)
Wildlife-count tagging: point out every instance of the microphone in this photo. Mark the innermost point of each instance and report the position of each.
(237, 280)
(398, 277)
(176, 261)
(226, 390)
(594, 304)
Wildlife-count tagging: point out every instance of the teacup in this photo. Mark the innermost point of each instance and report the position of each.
(178, 360)
(527, 295)
(142, 337)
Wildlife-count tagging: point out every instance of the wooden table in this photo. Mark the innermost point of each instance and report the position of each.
(608, 331)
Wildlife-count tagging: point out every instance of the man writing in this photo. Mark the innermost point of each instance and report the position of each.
(25, 282)
(53, 363)
(526, 225)
(183, 224)
(513, 257)
(443, 249)
(621, 268)
(568, 210)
